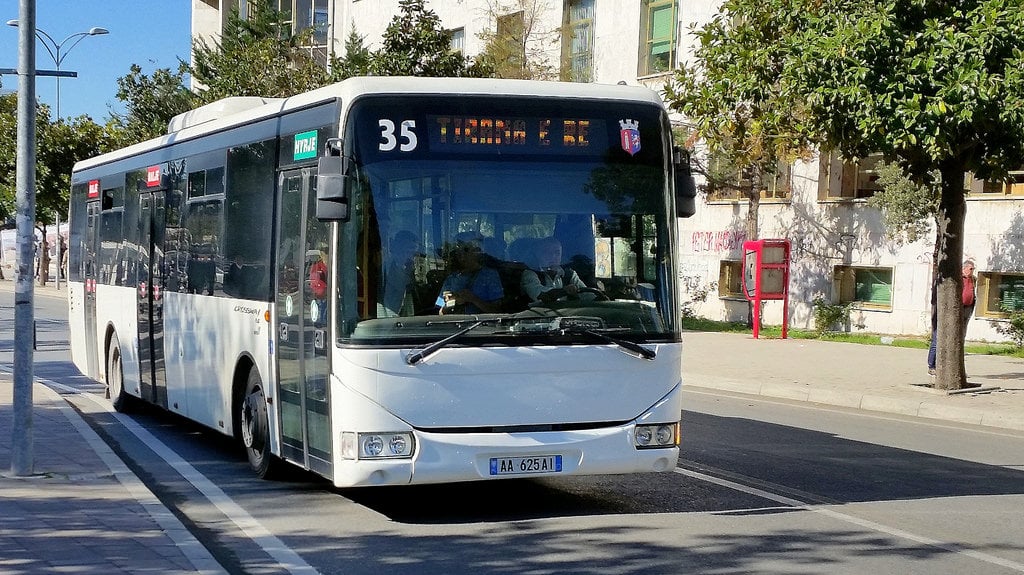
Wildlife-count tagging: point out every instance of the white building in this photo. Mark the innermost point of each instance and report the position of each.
(840, 249)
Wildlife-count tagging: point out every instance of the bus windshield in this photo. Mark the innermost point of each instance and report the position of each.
(525, 209)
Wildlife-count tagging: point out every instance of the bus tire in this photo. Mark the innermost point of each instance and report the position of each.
(255, 428)
(121, 400)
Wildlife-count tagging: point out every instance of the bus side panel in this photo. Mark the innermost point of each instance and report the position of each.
(77, 331)
(203, 339)
(116, 307)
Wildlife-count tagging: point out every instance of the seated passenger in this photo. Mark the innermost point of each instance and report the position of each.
(548, 280)
(471, 287)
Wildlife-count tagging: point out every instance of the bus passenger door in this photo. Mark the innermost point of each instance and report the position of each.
(150, 297)
(89, 266)
(302, 296)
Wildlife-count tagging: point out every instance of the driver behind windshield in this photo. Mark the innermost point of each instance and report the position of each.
(547, 280)
(471, 287)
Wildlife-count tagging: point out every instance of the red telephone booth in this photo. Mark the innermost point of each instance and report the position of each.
(766, 277)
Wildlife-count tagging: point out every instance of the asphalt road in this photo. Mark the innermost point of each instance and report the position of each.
(762, 487)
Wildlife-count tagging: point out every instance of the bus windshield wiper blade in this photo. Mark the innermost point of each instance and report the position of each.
(639, 351)
(421, 354)
(592, 326)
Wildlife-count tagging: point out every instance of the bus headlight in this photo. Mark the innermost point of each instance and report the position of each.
(376, 445)
(656, 436)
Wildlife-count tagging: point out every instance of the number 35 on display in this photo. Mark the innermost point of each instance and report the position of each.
(405, 140)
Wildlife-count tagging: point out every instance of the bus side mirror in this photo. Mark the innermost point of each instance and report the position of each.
(331, 189)
(685, 186)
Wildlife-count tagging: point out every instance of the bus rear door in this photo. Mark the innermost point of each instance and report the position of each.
(150, 287)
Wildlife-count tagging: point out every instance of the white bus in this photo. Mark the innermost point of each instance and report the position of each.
(278, 270)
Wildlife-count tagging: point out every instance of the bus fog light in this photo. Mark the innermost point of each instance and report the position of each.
(665, 435)
(398, 445)
(643, 435)
(658, 435)
(382, 445)
(373, 445)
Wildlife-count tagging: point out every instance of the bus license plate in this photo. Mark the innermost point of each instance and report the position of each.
(519, 465)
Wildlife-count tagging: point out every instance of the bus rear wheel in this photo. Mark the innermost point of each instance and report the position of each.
(255, 428)
(120, 399)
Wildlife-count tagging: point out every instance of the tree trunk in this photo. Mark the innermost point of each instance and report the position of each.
(950, 373)
(753, 194)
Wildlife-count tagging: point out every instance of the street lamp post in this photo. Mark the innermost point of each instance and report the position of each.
(54, 48)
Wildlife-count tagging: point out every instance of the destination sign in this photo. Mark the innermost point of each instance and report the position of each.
(516, 134)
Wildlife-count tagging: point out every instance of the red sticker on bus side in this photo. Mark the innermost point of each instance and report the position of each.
(152, 176)
(94, 189)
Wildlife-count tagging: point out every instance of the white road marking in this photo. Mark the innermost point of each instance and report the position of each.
(288, 559)
(953, 548)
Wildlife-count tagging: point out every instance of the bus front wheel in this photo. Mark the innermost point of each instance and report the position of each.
(255, 429)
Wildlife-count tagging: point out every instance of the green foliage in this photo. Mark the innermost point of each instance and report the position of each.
(151, 102)
(8, 154)
(58, 146)
(908, 208)
(355, 62)
(828, 315)
(255, 56)
(733, 91)
(1013, 328)
(922, 81)
(687, 309)
(416, 44)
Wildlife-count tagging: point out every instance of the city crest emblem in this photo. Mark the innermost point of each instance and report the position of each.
(629, 135)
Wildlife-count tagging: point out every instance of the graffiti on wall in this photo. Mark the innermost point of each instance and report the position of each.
(717, 241)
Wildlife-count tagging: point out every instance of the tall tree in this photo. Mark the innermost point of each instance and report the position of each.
(356, 59)
(741, 110)
(58, 146)
(930, 84)
(256, 55)
(151, 102)
(732, 93)
(415, 44)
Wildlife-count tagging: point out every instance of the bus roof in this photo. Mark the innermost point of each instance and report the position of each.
(230, 112)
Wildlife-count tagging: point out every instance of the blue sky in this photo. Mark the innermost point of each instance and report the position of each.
(150, 33)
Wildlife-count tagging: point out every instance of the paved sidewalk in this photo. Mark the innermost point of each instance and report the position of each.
(871, 377)
(81, 510)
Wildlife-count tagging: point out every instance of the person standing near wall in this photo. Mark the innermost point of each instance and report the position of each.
(968, 297)
(969, 294)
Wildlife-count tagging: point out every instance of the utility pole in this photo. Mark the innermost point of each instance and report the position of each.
(22, 457)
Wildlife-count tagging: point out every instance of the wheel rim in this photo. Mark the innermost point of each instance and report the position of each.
(251, 429)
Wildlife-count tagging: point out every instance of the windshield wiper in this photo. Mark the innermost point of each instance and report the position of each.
(592, 326)
(640, 351)
(421, 354)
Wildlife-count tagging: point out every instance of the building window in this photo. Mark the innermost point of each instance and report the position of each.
(459, 40)
(776, 186)
(578, 41)
(657, 36)
(1013, 185)
(730, 279)
(867, 286)
(1000, 294)
(848, 180)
